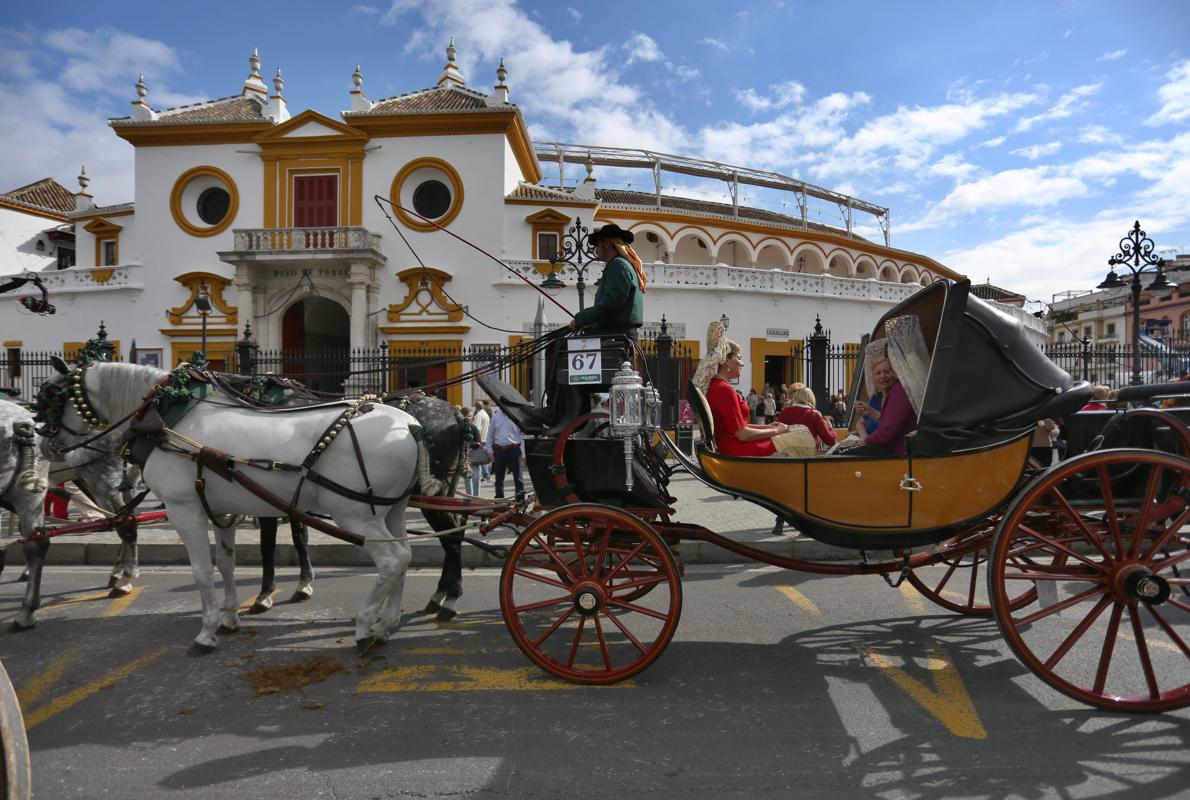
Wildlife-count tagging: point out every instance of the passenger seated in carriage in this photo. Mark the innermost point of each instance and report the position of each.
(801, 410)
(734, 436)
(896, 368)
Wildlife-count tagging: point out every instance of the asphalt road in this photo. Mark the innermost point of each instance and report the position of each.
(776, 685)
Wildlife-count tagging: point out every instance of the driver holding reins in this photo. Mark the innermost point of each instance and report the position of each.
(619, 305)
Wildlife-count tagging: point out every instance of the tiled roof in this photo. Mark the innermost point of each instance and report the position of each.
(428, 101)
(986, 291)
(624, 197)
(236, 108)
(533, 191)
(46, 194)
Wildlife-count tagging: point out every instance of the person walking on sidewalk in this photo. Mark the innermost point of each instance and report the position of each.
(482, 422)
(504, 449)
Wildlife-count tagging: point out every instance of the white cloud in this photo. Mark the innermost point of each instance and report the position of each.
(642, 47)
(686, 73)
(1036, 151)
(1067, 105)
(1174, 95)
(1114, 55)
(364, 11)
(108, 61)
(780, 95)
(994, 142)
(574, 13)
(718, 44)
(1098, 134)
(952, 166)
(1035, 186)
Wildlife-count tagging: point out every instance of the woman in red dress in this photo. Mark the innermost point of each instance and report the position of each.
(733, 435)
(801, 411)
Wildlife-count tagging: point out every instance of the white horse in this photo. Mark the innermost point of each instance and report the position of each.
(387, 451)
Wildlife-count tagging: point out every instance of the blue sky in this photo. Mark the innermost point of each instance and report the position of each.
(1012, 140)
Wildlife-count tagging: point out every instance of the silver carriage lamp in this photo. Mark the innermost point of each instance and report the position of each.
(634, 408)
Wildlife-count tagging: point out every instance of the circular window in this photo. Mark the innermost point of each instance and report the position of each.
(427, 189)
(431, 199)
(204, 201)
(213, 204)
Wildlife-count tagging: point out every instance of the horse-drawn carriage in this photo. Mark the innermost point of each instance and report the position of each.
(1081, 559)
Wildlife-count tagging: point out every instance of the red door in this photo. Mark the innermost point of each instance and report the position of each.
(316, 205)
(293, 340)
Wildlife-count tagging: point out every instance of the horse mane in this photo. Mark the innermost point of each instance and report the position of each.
(122, 387)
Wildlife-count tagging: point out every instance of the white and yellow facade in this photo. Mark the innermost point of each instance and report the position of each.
(225, 192)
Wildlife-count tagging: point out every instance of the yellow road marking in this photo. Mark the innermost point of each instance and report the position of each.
(70, 699)
(463, 678)
(120, 604)
(247, 604)
(32, 691)
(800, 599)
(947, 700)
(913, 598)
(1160, 645)
(86, 598)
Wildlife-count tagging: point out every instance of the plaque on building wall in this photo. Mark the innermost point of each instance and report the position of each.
(776, 333)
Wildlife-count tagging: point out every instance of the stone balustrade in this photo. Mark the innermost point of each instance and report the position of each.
(302, 240)
(127, 277)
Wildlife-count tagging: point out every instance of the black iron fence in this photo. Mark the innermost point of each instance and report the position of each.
(1110, 364)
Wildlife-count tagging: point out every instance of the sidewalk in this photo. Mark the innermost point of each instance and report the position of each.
(159, 543)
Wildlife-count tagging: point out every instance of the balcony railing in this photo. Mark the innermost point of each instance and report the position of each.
(302, 240)
(85, 279)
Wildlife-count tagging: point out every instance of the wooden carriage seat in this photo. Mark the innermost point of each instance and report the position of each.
(702, 412)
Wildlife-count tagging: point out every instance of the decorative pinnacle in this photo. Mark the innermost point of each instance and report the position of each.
(590, 165)
(254, 63)
(501, 72)
(450, 51)
(142, 88)
(357, 78)
(83, 179)
(278, 82)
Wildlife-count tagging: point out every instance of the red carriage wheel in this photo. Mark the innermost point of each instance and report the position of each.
(571, 594)
(1100, 537)
(956, 581)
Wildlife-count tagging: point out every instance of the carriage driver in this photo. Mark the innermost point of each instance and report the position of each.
(619, 305)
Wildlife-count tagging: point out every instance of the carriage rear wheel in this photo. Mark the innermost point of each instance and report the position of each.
(1110, 625)
(571, 594)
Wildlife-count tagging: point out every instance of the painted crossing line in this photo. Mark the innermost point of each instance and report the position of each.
(946, 700)
(800, 600)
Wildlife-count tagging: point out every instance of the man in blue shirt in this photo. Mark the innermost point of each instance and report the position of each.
(504, 450)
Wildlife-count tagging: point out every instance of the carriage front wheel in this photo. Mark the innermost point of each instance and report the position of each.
(1100, 537)
(571, 594)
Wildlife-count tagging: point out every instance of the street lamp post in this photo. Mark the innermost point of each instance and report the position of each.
(574, 250)
(1136, 253)
(202, 302)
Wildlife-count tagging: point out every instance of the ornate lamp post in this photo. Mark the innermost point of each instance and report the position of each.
(1136, 253)
(202, 302)
(109, 349)
(576, 251)
(246, 351)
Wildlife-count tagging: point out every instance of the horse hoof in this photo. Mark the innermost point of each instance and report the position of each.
(111, 582)
(119, 591)
(24, 577)
(368, 643)
(431, 607)
(18, 627)
(301, 596)
(446, 614)
(200, 649)
(259, 608)
(223, 630)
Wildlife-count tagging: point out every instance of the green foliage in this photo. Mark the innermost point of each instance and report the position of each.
(50, 405)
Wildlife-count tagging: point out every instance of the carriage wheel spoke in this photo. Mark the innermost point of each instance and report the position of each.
(1077, 633)
(1109, 646)
(1145, 512)
(1062, 548)
(1165, 626)
(550, 630)
(1056, 607)
(1109, 504)
(607, 659)
(624, 630)
(541, 604)
(540, 578)
(1162, 540)
(971, 588)
(602, 553)
(578, 637)
(578, 548)
(1142, 650)
(1080, 522)
(556, 558)
(946, 578)
(1050, 576)
(638, 583)
(648, 612)
(1173, 601)
(1166, 563)
(625, 561)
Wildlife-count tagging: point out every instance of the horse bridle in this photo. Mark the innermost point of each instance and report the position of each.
(89, 415)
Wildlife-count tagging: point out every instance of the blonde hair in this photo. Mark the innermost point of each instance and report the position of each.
(1100, 392)
(802, 394)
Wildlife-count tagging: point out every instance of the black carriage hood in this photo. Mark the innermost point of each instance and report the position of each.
(987, 380)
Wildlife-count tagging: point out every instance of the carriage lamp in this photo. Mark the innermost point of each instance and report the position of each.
(634, 407)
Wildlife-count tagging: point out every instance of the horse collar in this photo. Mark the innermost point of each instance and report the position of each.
(78, 396)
